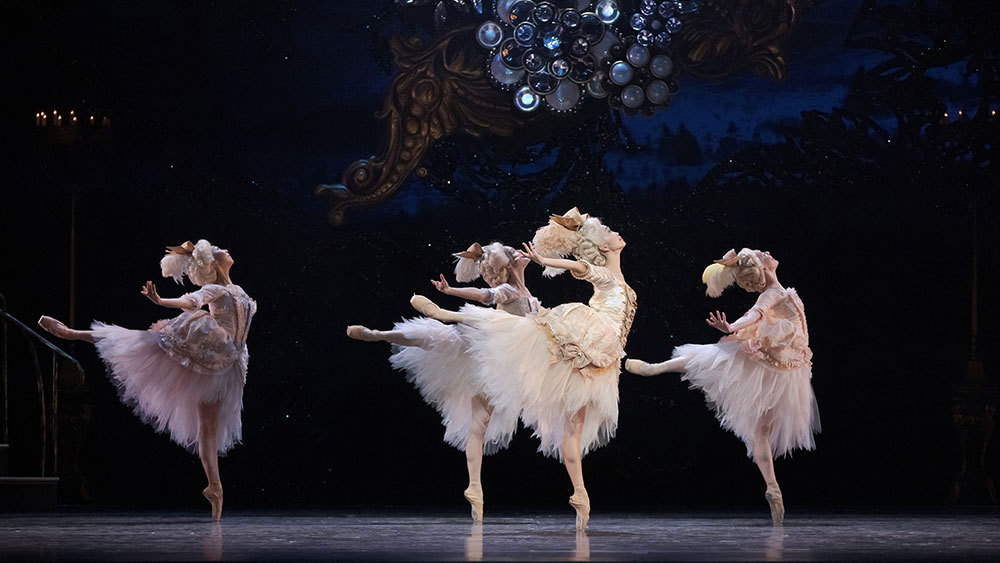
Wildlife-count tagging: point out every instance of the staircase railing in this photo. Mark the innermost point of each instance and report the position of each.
(48, 414)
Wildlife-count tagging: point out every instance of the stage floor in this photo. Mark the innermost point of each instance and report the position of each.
(135, 535)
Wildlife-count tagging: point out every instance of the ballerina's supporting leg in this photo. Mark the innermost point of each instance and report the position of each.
(359, 332)
(640, 367)
(481, 412)
(574, 466)
(57, 328)
(765, 462)
(208, 415)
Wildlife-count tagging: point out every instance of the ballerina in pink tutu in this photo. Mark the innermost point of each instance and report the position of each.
(437, 360)
(757, 378)
(559, 368)
(185, 375)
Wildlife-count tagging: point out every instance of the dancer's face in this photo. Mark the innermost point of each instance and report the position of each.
(224, 259)
(612, 240)
(769, 261)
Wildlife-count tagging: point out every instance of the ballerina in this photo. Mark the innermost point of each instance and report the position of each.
(758, 376)
(437, 361)
(559, 368)
(185, 375)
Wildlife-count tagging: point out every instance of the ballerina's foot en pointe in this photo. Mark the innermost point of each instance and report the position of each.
(213, 492)
(580, 502)
(773, 496)
(474, 494)
(430, 309)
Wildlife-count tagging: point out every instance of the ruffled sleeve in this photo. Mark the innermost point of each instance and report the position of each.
(601, 277)
(204, 296)
(502, 294)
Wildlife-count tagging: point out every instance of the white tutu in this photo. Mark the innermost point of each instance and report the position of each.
(519, 372)
(742, 390)
(444, 372)
(166, 394)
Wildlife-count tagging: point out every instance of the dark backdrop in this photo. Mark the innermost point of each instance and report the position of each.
(226, 114)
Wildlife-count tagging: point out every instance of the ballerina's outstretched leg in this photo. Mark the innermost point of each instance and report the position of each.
(430, 309)
(481, 412)
(60, 330)
(640, 367)
(359, 332)
(573, 459)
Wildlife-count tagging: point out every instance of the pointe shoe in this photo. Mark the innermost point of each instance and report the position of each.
(580, 501)
(773, 496)
(474, 494)
(358, 332)
(640, 367)
(55, 327)
(213, 492)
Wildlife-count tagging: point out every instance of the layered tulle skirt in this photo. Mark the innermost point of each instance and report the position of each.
(164, 392)
(444, 371)
(744, 391)
(519, 369)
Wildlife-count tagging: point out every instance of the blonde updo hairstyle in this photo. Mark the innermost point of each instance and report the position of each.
(745, 268)
(196, 261)
(572, 233)
(493, 262)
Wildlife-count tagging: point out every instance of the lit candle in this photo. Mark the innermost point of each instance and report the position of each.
(38, 119)
(58, 121)
(92, 120)
(45, 119)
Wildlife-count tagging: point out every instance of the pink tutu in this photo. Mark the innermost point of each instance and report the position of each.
(742, 389)
(441, 367)
(165, 393)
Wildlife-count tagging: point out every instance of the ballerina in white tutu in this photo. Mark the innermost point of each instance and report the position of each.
(437, 360)
(757, 378)
(185, 375)
(559, 368)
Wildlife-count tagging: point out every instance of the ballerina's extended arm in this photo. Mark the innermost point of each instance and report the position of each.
(467, 293)
(572, 265)
(149, 290)
(718, 321)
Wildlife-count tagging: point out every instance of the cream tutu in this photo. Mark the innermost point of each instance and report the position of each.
(165, 372)
(550, 365)
(441, 367)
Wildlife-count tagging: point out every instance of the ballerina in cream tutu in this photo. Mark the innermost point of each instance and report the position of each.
(559, 368)
(437, 360)
(185, 375)
(757, 378)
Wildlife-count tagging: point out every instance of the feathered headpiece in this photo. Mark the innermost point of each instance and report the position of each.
(193, 260)
(467, 266)
(559, 238)
(723, 272)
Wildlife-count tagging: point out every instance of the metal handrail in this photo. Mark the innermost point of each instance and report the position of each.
(48, 417)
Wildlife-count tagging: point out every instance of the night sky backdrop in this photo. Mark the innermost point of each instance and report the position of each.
(226, 115)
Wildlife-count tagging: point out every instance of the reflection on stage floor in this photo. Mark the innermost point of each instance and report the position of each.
(132, 535)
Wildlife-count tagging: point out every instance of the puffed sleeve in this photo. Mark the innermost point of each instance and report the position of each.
(204, 296)
(502, 294)
(601, 277)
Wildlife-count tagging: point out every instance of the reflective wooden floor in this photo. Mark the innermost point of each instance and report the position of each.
(133, 535)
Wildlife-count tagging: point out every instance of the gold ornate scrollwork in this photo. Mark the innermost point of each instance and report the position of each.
(728, 36)
(441, 90)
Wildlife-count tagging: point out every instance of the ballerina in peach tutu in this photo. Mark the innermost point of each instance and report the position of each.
(185, 375)
(438, 363)
(757, 378)
(559, 368)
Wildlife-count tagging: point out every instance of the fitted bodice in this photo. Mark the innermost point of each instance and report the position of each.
(208, 341)
(592, 337)
(780, 337)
